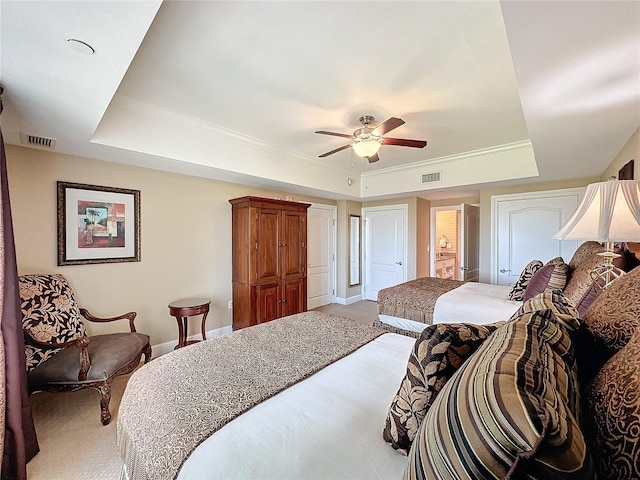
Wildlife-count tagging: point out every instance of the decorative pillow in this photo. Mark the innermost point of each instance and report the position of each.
(511, 411)
(579, 286)
(562, 310)
(613, 408)
(517, 291)
(553, 276)
(614, 316)
(49, 314)
(436, 355)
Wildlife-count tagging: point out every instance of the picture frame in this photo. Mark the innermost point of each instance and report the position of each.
(97, 224)
(626, 172)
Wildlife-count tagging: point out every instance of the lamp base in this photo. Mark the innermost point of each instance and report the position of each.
(606, 273)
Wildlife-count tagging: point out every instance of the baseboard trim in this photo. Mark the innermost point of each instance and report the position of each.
(348, 301)
(166, 347)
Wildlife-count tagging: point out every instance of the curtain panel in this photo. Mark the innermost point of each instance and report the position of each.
(19, 442)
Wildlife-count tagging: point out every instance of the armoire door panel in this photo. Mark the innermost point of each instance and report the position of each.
(267, 245)
(268, 302)
(291, 244)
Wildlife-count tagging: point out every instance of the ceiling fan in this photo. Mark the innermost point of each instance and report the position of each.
(366, 141)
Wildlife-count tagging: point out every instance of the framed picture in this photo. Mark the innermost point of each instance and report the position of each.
(626, 172)
(97, 224)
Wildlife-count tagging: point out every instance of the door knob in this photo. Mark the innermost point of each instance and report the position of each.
(503, 270)
(398, 263)
(464, 268)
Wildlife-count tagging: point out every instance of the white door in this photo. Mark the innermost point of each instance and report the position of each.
(469, 243)
(523, 229)
(385, 249)
(321, 241)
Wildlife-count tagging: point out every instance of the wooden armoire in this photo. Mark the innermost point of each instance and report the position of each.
(269, 250)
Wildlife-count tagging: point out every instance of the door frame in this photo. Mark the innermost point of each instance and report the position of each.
(365, 239)
(495, 201)
(333, 274)
(432, 234)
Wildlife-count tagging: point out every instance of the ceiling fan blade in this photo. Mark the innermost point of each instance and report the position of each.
(373, 158)
(387, 126)
(335, 151)
(335, 134)
(404, 142)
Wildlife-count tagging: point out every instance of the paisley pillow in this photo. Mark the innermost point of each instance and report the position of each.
(613, 405)
(439, 351)
(517, 291)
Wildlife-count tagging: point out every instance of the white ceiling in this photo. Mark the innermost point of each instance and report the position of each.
(514, 91)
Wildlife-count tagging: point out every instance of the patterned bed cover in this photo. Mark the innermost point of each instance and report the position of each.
(414, 299)
(175, 402)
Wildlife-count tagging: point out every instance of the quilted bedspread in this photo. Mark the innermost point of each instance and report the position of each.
(175, 402)
(414, 299)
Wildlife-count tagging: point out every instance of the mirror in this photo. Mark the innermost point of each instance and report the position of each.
(354, 250)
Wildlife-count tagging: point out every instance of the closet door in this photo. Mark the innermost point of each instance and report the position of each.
(523, 226)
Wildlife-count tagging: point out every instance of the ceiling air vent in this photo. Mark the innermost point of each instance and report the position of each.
(431, 177)
(37, 141)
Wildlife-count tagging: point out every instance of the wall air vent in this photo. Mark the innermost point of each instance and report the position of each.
(38, 141)
(431, 177)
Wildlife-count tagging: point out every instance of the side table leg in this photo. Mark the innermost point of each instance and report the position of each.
(204, 326)
(185, 331)
(181, 332)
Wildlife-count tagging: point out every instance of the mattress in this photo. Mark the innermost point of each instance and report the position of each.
(477, 303)
(326, 426)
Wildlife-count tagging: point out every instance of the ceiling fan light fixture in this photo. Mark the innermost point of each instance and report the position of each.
(367, 147)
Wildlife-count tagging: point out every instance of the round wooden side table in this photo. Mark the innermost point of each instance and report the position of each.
(182, 310)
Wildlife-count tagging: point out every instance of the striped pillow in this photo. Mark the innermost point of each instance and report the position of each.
(511, 411)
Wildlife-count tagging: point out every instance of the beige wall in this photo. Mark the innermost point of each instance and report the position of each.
(186, 238)
(423, 237)
(343, 290)
(631, 151)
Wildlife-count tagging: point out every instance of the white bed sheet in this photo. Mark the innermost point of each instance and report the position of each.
(327, 426)
(472, 302)
(477, 303)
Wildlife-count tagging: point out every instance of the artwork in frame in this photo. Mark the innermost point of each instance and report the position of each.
(626, 172)
(97, 224)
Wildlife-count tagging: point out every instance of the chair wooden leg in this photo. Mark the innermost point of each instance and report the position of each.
(147, 354)
(105, 398)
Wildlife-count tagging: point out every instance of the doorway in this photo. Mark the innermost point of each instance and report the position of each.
(454, 242)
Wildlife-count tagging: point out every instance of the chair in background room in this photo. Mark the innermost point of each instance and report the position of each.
(60, 356)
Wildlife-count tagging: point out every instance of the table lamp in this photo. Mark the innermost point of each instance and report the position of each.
(609, 212)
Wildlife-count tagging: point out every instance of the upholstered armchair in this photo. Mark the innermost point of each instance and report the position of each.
(60, 356)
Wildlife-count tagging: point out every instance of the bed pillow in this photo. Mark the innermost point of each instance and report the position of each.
(552, 276)
(613, 408)
(511, 411)
(613, 331)
(517, 291)
(438, 352)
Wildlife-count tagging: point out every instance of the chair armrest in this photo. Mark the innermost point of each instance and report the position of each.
(130, 316)
(81, 343)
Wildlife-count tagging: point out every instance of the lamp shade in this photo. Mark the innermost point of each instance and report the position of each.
(609, 212)
(367, 147)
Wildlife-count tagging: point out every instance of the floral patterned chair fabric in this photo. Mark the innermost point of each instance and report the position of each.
(50, 314)
(59, 354)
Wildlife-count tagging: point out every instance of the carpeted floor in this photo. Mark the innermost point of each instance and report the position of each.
(74, 445)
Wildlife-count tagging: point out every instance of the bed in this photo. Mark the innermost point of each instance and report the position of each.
(286, 431)
(409, 307)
